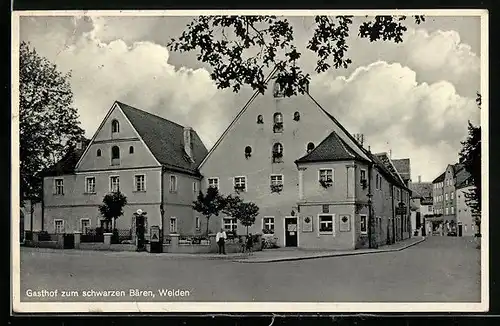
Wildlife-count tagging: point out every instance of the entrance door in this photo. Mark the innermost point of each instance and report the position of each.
(291, 232)
(460, 230)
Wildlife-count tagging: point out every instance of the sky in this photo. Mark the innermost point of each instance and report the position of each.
(413, 99)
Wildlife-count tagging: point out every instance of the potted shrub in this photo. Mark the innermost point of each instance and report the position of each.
(277, 156)
(276, 188)
(325, 183)
(364, 183)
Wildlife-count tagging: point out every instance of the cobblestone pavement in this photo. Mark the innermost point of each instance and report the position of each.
(440, 269)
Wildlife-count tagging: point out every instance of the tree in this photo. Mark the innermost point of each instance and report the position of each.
(244, 212)
(240, 48)
(209, 204)
(112, 206)
(48, 123)
(470, 156)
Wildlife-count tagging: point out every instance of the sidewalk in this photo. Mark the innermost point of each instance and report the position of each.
(279, 255)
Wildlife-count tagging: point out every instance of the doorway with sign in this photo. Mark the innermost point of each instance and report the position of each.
(291, 231)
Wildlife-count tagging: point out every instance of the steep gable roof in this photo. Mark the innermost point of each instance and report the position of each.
(423, 189)
(67, 164)
(344, 136)
(403, 168)
(439, 178)
(165, 139)
(332, 148)
(385, 164)
(464, 179)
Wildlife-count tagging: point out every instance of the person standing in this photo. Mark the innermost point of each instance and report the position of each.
(249, 244)
(220, 238)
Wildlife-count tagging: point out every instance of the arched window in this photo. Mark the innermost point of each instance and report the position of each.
(115, 126)
(248, 151)
(98, 152)
(260, 119)
(310, 147)
(131, 150)
(277, 152)
(278, 122)
(296, 116)
(115, 155)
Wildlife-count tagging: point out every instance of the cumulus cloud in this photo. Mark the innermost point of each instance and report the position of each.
(425, 122)
(415, 107)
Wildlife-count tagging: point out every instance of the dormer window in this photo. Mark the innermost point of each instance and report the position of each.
(278, 122)
(310, 147)
(260, 119)
(115, 126)
(277, 153)
(131, 150)
(296, 116)
(98, 152)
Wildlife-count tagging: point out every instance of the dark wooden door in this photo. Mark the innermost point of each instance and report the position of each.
(460, 230)
(291, 232)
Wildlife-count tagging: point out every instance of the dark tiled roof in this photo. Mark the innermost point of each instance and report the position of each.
(66, 165)
(464, 178)
(165, 139)
(439, 178)
(384, 162)
(332, 148)
(403, 167)
(422, 189)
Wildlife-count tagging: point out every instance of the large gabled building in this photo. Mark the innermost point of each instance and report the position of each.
(309, 176)
(153, 161)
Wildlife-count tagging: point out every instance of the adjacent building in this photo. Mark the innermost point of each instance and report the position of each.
(153, 161)
(465, 219)
(422, 203)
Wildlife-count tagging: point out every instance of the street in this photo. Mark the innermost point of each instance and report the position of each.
(440, 269)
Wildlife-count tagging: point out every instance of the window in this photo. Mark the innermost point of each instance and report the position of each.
(452, 210)
(278, 90)
(277, 179)
(131, 150)
(173, 183)
(362, 176)
(429, 208)
(268, 224)
(90, 185)
(326, 223)
(84, 225)
(59, 226)
(140, 182)
(276, 182)
(114, 183)
(310, 147)
(399, 194)
(115, 155)
(248, 151)
(59, 186)
(98, 152)
(213, 182)
(173, 225)
(230, 224)
(452, 194)
(277, 153)
(115, 126)
(278, 122)
(198, 223)
(326, 175)
(446, 196)
(446, 210)
(363, 224)
(296, 116)
(195, 187)
(240, 183)
(260, 119)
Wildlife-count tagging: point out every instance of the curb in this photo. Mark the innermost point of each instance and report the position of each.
(354, 253)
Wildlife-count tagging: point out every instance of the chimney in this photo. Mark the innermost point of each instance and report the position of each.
(419, 179)
(390, 154)
(78, 145)
(188, 142)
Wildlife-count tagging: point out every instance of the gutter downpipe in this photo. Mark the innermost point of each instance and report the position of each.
(370, 208)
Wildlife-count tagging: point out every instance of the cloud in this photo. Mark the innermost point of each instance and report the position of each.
(425, 122)
(412, 103)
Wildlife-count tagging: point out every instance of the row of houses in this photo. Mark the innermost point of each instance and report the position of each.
(440, 206)
(316, 184)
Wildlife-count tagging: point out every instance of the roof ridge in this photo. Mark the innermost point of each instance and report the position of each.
(149, 113)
